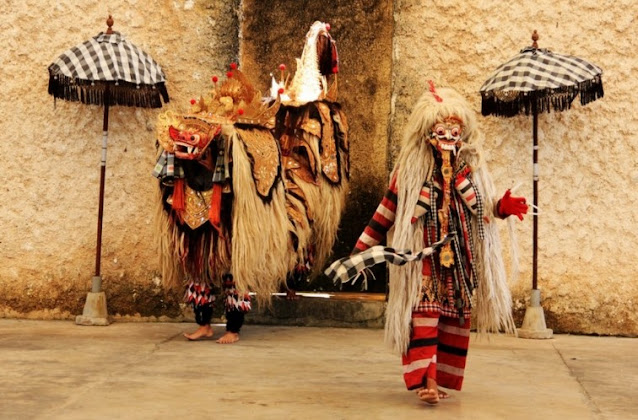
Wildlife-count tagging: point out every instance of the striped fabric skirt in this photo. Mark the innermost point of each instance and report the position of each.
(437, 350)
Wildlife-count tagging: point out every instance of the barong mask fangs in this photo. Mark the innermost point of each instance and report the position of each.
(191, 140)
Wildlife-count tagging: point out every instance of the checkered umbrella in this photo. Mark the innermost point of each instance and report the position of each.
(538, 80)
(107, 70)
(108, 62)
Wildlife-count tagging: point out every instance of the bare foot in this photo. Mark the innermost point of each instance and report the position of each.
(228, 338)
(204, 332)
(443, 395)
(430, 394)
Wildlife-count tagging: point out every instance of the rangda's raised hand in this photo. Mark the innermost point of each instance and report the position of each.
(509, 205)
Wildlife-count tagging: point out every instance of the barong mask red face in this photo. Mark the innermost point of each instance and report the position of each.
(191, 142)
(447, 134)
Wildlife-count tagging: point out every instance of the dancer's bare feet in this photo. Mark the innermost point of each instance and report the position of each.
(430, 394)
(204, 332)
(228, 338)
(443, 395)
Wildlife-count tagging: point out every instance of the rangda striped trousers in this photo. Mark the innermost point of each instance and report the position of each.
(438, 349)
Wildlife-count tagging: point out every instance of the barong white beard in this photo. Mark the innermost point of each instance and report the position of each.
(330, 199)
(493, 310)
(405, 281)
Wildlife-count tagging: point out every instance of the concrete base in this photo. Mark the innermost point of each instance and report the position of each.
(534, 321)
(95, 312)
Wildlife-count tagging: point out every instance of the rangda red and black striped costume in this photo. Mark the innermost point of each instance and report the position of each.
(441, 322)
(443, 248)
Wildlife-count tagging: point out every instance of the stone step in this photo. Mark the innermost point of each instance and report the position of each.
(334, 309)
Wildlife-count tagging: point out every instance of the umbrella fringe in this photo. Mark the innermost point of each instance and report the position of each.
(92, 93)
(546, 100)
(591, 90)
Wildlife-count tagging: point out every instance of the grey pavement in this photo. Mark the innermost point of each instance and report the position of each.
(58, 370)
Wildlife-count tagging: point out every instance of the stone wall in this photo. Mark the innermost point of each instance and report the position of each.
(389, 49)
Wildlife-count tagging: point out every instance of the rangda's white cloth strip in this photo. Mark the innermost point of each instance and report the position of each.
(348, 268)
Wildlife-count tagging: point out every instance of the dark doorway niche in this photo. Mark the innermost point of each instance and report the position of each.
(273, 32)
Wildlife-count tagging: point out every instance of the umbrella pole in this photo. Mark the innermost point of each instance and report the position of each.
(535, 198)
(534, 321)
(95, 311)
(97, 279)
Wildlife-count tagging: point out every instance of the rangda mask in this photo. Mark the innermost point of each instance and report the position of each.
(447, 134)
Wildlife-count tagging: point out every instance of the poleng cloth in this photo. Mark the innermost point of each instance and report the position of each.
(347, 268)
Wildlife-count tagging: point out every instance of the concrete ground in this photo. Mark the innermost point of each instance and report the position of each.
(58, 370)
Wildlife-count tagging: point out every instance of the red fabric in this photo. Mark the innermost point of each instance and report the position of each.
(380, 224)
(437, 350)
(451, 354)
(214, 212)
(462, 175)
(415, 362)
(178, 195)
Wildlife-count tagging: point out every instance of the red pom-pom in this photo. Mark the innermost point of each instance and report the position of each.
(229, 74)
(214, 79)
(282, 67)
(335, 69)
(240, 111)
(233, 66)
(327, 26)
(193, 101)
(280, 91)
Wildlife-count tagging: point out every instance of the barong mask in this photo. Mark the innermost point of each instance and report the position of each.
(192, 141)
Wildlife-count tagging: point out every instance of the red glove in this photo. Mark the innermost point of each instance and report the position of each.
(509, 205)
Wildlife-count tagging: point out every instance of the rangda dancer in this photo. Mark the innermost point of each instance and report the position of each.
(441, 205)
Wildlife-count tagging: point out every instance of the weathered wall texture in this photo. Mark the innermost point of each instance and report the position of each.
(49, 200)
(587, 235)
(389, 49)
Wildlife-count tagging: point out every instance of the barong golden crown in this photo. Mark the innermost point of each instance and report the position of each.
(235, 101)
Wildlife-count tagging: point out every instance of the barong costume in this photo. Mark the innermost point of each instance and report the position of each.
(250, 197)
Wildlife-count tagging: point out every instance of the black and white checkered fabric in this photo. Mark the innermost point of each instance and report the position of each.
(541, 76)
(106, 58)
(347, 268)
(166, 168)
